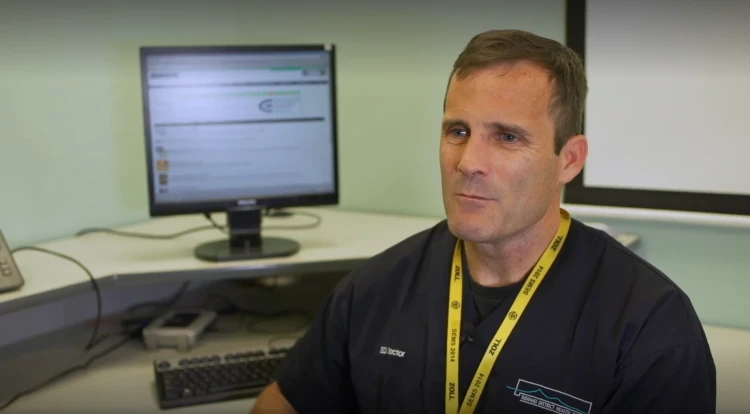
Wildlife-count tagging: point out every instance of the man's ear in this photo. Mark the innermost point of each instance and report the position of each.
(572, 158)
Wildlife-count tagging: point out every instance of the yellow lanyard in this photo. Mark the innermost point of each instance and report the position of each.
(503, 333)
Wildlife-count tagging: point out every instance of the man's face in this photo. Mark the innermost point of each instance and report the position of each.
(499, 171)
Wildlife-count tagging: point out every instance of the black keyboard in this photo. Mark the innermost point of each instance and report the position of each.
(186, 381)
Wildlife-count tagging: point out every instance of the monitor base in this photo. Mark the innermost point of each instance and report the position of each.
(223, 251)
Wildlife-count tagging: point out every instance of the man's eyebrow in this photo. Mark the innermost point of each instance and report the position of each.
(505, 127)
(452, 122)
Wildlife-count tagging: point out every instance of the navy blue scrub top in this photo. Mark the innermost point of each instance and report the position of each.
(606, 332)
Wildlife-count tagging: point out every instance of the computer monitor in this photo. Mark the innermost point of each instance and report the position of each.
(240, 129)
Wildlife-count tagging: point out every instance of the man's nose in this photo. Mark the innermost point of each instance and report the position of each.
(475, 157)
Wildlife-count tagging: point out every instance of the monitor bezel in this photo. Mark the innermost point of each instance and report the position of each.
(192, 207)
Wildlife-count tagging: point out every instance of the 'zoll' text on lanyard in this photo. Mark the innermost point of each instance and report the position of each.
(503, 333)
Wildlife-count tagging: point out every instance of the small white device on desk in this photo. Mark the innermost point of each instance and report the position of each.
(177, 329)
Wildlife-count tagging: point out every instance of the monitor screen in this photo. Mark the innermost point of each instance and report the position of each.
(237, 126)
(240, 129)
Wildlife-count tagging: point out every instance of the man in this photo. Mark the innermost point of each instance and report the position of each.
(509, 305)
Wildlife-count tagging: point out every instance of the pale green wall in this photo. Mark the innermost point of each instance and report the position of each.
(71, 128)
(70, 110)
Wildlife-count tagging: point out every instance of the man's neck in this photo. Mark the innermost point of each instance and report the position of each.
(510, 261)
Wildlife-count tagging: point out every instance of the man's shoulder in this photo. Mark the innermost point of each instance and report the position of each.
(404, 258)
(622, 267)
(642, 298)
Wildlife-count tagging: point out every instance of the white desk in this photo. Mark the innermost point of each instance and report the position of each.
(341, 241)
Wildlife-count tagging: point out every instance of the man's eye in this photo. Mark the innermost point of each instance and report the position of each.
(508, 138)
(457, 133)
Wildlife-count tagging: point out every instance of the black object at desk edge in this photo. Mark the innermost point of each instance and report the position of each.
(241, 271)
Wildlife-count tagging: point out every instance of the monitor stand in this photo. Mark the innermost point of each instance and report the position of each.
(245, 241)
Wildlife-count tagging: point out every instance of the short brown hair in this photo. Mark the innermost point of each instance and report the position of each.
(495, 47)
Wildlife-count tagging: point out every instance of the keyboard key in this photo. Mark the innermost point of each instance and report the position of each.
(232, 386)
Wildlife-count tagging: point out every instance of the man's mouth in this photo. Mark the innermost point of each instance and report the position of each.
(473, 196)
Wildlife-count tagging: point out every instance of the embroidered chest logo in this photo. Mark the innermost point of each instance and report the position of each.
(384, 350)
(549, 399)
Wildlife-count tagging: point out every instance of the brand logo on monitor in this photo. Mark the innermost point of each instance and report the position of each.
(248, 202)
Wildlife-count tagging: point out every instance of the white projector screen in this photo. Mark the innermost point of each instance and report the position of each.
(667, 110)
